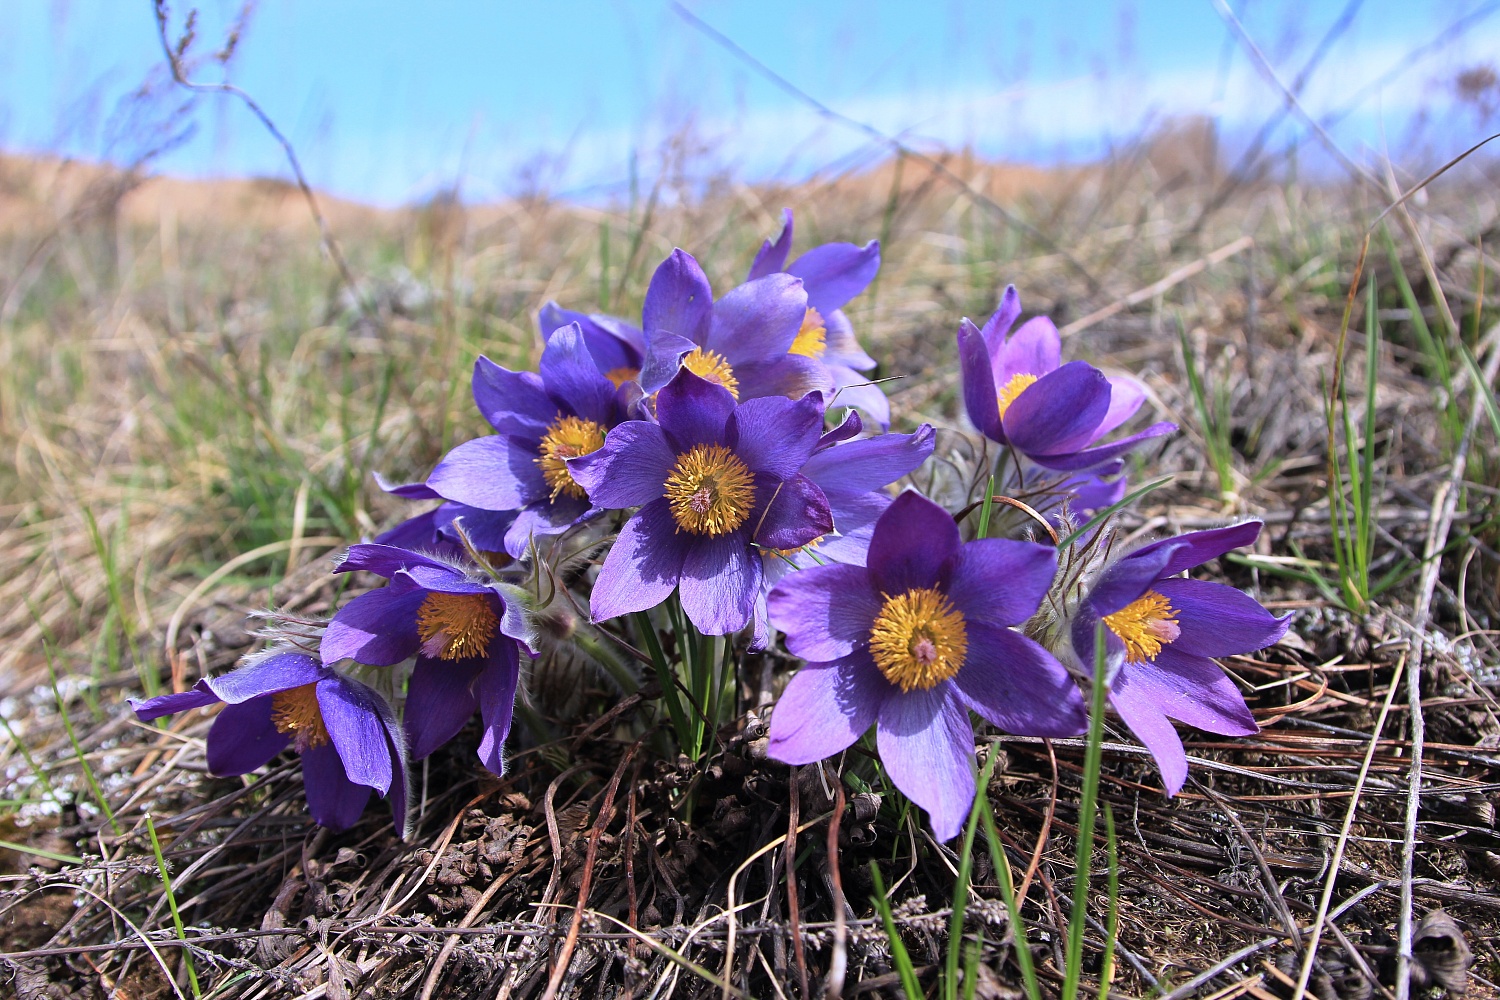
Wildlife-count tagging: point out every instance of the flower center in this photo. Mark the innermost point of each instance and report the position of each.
(619, 376)
(455, 626)
(710, 491)
(712, 366)
(812, 339)
(295, 712)
(1144, 626)
(918, 639)
(1008, 392)
(568, 437)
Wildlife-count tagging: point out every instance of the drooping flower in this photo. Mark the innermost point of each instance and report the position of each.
(347, 736)
(1162, 634)
(715, 482)
(616, 347)
(1018, 393)
(465, 631)
(543, 420)
(743, 342)
(910, 643)
(832, 274)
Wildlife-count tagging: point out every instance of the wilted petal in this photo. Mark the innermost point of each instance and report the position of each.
(493, 473)
(243, 738)
(1000, 581)
(825, 708)
(643, 566)
(497, 704)
(513, 402)
(679, 299)
(774, 434)
(927, 747)
(720, 581)
(440, 698)
(836, 272)
(758, 320)
(912, 541)
(1019, 686)
(826, 611)
(1216, 620)
(352, 718)
(333, 800)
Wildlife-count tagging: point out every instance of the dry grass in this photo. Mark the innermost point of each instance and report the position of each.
(183, 380)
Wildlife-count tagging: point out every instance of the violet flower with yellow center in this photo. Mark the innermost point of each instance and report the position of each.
(910, 643)
(1162, 634)
(466, 633)
(542, 420)
(716, 482)
(347, 736)
(1018, 393)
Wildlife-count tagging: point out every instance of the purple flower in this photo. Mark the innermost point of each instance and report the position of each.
(465, 635)
(743, 342)
(347, 735)
(1017, 393)
(1162, 634)
(543, 420)
(436, 532)
(832, 274)
(910, 644)
(616, 347)
(715, 482)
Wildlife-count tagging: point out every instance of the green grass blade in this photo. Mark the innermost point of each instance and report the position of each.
(904, 969)
(665, 676)
(83, 761)
(166, 884)
(1112, 920)
(1008, 891)
(1083, 860)
(961, 886)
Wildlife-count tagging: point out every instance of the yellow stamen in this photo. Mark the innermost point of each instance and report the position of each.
(568, 437)
(295, 712)
(812, 339)
(456, 626)
(619, 376)
(1144, 626)
(919, 639)
(712, 366)
(1017, 385)
(710, 491)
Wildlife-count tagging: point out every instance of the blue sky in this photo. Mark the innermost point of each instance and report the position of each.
(390, 100)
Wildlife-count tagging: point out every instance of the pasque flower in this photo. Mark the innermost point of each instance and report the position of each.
(542, 420)
(832, 274)
(910, 643)
(616, 347)
(348, 737)
(437, 531)
(1018, 393)
(743, 342)
(465, 632)
(715, 482)
(1162, 633)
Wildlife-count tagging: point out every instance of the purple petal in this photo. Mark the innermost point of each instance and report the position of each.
(387, 560)
(570, 374)
(1216, 620)
(198, 696)
(679, 299)
(1197, 547)
(1089, 457)
(1127, 579)
(513, 402)
(493, 473)
(912, 541)
(851, 426)
(1001, 320)
(1019, 686)
(790, 375)
(870, 463)
(775, 434)
(927, 747)
(693, 411)
(788, 513)
(439, 699)
(664, 352)
(1034, 349)
(332, 799)
(408, 491)
(277, 672)
(825, 708)
(629, 470)
(243, 738)
(758, 321)
(541, 520)
(378, 628)
(485, 528)
(1059, 412)
(720, 581)
(851, 388)
(1191, 689)
(840, 345)
(420, 532)
(643, 566)
(836, 272)
(497, 704)
(825, 612)
(1000, 581)
(613, 343)
(981, 397)
(1125, 397)
(352, 718)
(772, 256)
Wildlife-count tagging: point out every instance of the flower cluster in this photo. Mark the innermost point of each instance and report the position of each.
(728, 467)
